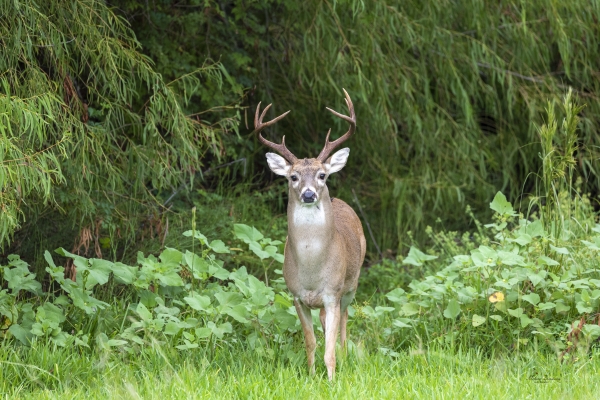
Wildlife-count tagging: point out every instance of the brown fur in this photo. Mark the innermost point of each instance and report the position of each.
(326, 246)
(323, 258)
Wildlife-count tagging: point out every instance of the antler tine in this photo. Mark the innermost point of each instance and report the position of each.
(259, 126)
(330, 146)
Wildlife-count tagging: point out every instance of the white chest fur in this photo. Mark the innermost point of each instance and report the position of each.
(312, 236)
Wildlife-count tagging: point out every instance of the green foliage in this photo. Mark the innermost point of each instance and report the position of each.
(525, 286)
(86, 123)
(180, 298)
(453, 90)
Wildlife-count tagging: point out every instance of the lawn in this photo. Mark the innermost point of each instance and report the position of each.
(236, 372)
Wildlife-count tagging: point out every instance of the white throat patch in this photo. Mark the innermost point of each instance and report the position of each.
(309, 215)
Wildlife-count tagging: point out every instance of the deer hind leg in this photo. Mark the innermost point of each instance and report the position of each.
(322, 318)
(343, 323)
(309, 334)
(332, 323)
(346, 300)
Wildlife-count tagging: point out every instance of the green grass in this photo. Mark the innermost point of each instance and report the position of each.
(236, 372)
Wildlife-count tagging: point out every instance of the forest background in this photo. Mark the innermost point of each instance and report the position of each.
(114, 110)
(124, 124)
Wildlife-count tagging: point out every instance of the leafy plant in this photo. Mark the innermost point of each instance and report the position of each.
(181, 298)
(264, 248)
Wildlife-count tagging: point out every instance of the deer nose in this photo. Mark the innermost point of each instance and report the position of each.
(309, 196)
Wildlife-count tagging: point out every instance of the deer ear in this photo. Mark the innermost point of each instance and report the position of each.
(278, 164)
(337, 161)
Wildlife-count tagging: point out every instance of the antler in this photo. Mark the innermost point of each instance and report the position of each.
(330, 146)
(259, 126)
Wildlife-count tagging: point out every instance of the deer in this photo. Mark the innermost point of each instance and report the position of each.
(325, 246)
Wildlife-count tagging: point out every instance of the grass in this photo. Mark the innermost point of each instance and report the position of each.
(237, 372)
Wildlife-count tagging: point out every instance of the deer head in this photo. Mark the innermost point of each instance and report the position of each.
(307, 177)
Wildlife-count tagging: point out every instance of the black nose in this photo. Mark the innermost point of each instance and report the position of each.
(309, 196)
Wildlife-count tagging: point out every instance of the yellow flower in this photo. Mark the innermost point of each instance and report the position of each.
(496, 297)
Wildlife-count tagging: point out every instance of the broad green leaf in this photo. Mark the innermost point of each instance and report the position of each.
(479, 260)
(536, 278)
(497, 317)
(124, 273)
(196, 263)
(99, 272)
(172, 328)
(258, 250)
(583, 308)
(196, 234)
(80, 263)
(488, 252)
(595, 245)
(248, 234)
(532, 298)
(560, 250)
(515, 313)
(501, 205)
(409, 309)
(220, 330)
(19, 278)
(21, 334)
(202, 333)
(49, 259)
(585, 296)
(218, 247)
(82, 299)
(523, 239)
(198, 302)
(416, 257)
(143, 312)
(591, 331)
(60, 338)
(228, 299)
(50, 312)
(525, 321)
(171, 257)
(562, 307)
(546, 306)
(396, 295)
(239, 313)
(171, 278)
(478, 320)
(272, 250)
(402, 323)
(510, 258)
(219, 272)
(452, 310)
(547, 261)
(279, 258)
(535, 229)
(282, 301)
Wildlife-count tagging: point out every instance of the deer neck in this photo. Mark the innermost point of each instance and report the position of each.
(310, 230)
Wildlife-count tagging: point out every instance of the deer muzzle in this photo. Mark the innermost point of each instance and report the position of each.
(308, 196)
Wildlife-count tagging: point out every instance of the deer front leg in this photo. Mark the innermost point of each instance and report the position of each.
(309, 334)
(332, 324)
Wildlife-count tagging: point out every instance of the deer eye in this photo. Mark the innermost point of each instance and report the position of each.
(294, 178)
(322, 176)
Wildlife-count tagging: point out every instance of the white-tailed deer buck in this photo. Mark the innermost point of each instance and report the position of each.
(326, 246)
